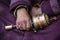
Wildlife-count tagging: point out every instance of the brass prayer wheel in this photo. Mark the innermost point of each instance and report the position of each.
(40, 21)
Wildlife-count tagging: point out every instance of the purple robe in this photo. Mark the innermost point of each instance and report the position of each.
(52, 32)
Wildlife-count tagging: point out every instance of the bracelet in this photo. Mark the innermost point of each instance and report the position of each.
(18, 7)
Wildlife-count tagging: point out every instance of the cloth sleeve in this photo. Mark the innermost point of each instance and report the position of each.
(15, 3)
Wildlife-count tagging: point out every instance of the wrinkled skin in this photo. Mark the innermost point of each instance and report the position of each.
(23, 19)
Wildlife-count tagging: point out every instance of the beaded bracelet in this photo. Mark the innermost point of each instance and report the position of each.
(18, 7)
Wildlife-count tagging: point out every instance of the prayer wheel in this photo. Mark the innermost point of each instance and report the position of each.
(38, 21)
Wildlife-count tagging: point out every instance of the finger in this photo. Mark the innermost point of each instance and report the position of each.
(24, 26)
(17, 25)
(28, 25)
(21, 25)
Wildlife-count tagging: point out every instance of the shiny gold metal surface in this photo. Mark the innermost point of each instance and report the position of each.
(40, 21)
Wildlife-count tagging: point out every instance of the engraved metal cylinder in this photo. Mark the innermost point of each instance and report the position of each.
(40, 21)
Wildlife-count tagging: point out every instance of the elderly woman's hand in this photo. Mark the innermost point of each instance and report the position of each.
(36, 11)
(23, 19)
